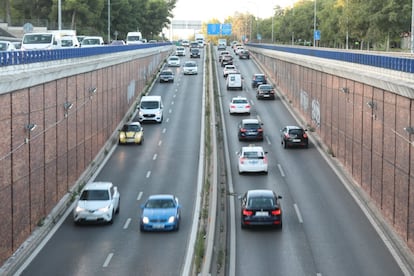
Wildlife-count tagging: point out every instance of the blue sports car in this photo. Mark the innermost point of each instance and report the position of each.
(160, 213)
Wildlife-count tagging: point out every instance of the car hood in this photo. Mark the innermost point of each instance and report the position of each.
(129, 134)
(163, 213)
(93, 204)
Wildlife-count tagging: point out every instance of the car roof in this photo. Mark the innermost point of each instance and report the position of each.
(161, 196)
(259, 74)
(250, 121)
(293, 127)
(190, 62)
(252, 148)
(239, 98)
(260, 193)
(98, 186)
(133, 124)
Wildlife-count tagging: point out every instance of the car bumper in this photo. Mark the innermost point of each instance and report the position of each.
(291, 143)
(86, 216)
(250, 137)
(253, 168)
(147, 118)
(267, 221)
(159, 226)
(239, 110)
(266, 97)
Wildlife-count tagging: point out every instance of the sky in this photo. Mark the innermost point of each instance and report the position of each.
(207, 9)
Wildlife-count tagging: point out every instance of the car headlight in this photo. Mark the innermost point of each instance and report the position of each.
(145, 220)
(79, 209)
(122, 135)
(141, 113)
(104, 209)
(171, 219)
(158, 113)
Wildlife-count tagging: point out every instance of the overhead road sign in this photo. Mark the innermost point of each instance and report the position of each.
(186, 24)
(219, 29)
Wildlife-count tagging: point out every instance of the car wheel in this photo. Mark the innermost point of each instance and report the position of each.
(306, 145)
(141, 228)
(119, 206)
(111, 221)
(242, 226)
(284, 145)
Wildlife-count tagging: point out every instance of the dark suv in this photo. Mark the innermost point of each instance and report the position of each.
(244, 54)
(265, 91)
(294, 136)
(226, 60)
(250, 129)
(258, 79)
(166, 76)
(194, 53)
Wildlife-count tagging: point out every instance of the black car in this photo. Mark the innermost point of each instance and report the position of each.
(226, 60)
(194, 53)
(265, 91)
(250, 129)
(244, 54)
(258, 79)
(167, 76)
(261, 208)
(294, 136)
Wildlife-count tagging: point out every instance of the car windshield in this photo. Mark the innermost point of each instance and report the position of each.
(160, 203)
(174, 58)
(190, 64)
(296, 132)
(266, 87)
(94, 195)
(261, 202)
(90, 41)
(3, 46)
(149, 105)
(131, 128)
(38, 39)
(253, 155)
(166, 73)
(260, 77)
(251, 126)
(240, 101)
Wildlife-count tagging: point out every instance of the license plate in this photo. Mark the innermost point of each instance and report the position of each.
(296, 140)
(158, 226)
(253, 161)
(251, 133)
(262, 214)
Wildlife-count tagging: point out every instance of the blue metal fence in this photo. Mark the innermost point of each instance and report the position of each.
(403, 64)
(32, 56)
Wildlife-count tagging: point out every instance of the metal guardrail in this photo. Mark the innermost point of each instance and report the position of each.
(26, 57)
(397, 63)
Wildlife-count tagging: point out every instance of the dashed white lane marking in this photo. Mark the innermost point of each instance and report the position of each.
(159, 143)
(148, 174)
(172, 102)
(282, 173)
(268, 140)
(127, 222)
(298, 213)
(170, 111)
(108, 259)
(154, 157)
(168, 119)
(164, 130)
(139, 195)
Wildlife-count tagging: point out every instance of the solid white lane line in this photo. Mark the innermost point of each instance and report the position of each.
(148, 174)
(282, 173)
(108, 259)
(298, 213)
(127, 222)
(154, 157)
(139, 195)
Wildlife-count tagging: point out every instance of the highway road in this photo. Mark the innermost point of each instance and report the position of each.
(324, 230)
(166, 162)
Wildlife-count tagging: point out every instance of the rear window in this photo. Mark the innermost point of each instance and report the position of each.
(251, 126)
(261, 202)
(296, 131)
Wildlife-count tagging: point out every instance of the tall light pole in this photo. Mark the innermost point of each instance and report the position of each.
(314, 23)
(412, 27)
(60, 14)
(109, 21)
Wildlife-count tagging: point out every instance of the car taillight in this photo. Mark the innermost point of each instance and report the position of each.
(243, 130)
(276, 212)
(247, 106)
(242, 159)
(286, 135)
(260, 130)
(305, 135)
(247, 213)
(265, 160)
(232, 106)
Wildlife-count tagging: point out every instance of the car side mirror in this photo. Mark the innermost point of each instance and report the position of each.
(142, 206)
(279, 197)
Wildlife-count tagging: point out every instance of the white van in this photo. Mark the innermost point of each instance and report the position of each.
(234, 81)
(39, 41)
(150, 109)
(134, 38)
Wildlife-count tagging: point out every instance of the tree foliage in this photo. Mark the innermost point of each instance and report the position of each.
(365, 22)
(90, 17)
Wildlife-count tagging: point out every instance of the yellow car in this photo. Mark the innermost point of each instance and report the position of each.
(131, 133)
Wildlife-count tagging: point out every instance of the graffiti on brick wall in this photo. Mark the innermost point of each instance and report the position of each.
(316, 113)
(131, 91)
(304, 100)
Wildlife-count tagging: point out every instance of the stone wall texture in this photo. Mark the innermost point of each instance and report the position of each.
(39, 167)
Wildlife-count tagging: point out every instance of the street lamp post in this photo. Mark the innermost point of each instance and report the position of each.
(412, 27)
(109, 21)
(314, 23)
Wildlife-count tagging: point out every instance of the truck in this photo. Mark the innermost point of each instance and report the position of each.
(222, 41)
(200, 38)
(134, 38)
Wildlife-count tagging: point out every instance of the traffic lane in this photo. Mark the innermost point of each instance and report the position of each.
(94, 256)
(350, 263)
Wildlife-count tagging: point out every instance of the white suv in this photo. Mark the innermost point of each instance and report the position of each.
(150, 109)
(98, 202)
